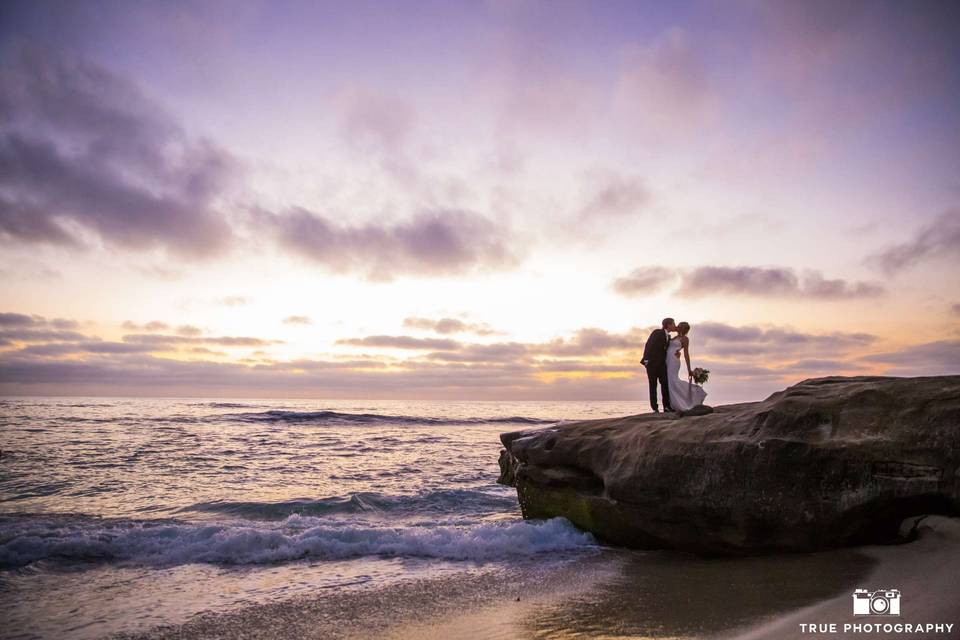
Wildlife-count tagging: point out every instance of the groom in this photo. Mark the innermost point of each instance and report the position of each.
(655, 360)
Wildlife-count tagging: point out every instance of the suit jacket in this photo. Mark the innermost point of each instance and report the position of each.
(655, 350)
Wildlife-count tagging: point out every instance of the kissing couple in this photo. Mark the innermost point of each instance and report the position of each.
(661, 357)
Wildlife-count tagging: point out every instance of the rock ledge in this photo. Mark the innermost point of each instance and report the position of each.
(825, 463)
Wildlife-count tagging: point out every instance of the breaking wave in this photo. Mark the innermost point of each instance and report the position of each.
(336, 417)
(441, 501)
(168, 543)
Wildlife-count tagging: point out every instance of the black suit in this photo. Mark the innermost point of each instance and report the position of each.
(655, 360)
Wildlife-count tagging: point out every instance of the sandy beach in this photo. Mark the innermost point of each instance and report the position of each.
(925, 571)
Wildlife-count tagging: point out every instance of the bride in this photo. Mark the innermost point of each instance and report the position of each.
(684, 394)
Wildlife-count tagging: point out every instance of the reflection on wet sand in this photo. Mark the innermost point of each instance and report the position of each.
(661, 595)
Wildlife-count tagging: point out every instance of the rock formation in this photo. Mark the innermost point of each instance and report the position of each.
(827, 462)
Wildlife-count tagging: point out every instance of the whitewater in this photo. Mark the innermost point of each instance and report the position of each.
(118, 515)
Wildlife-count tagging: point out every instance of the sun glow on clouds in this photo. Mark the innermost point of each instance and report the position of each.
(372, 205)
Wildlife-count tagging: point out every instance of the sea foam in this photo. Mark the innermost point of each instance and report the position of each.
(166, 543)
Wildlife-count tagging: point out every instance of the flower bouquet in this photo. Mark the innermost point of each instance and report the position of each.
(700, 375)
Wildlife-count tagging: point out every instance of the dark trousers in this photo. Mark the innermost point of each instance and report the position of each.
(657, 374)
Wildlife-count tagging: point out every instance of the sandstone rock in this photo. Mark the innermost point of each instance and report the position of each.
(699, 410)
(827, 462)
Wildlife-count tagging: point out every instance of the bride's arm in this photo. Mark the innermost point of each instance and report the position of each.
(686, 353)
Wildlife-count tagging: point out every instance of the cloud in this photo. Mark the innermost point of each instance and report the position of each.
(499, 352)
(450, 325)
(153, 325)
(441, 242)
(83, 152)
(305, 320)
(22, 320)
(591, 341)
(772, 282)
(378, 124)
(664, 86)
(756, 342)
(644, 280)
(612, 195)
(401, 342)
(87, 346)
(10, 336)
(166, 341)
(748, 362)
(940, 238)
(23, 328)
(931, 358)
(233, 301)
(189, 330)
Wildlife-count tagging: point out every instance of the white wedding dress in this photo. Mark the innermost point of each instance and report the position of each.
(684, 395)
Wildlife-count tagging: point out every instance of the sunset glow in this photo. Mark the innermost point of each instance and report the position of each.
(484, 200)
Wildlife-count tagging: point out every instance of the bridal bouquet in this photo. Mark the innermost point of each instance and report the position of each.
(700, 375)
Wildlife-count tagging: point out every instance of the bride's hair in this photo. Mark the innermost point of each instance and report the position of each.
(683, 328)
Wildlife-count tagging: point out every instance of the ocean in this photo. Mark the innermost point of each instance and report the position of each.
(120, 515)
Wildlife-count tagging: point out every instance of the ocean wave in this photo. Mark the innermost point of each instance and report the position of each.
(222, 405)
(441, 501)
(296, 538)
(337, 417)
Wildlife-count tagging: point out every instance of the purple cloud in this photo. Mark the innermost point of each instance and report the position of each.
(932, 358)
(449, 325)
(83, 148)
(748, 362)
(153, 325)
(664, 86)
(441, 242)
(940, 238)
(164, 341)
(753, 342)
(644, 280)
(591, 341)
(401, 342)
(378, 124)
(770, 282)
(745, 281)
(23, 328)
(611, 195)
(189, 330)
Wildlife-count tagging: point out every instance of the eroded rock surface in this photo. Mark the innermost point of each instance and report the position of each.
(824, 463)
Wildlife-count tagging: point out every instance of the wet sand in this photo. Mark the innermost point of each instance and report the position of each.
(925, 571)
(622, 593)
(660, 595)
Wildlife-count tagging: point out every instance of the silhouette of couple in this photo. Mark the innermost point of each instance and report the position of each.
(661, 357)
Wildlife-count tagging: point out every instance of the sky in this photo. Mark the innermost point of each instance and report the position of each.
(474, 200)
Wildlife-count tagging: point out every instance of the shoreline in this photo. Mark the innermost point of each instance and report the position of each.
(381, 610)
(623, 593)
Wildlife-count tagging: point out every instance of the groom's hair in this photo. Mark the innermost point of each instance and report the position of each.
(666, 322)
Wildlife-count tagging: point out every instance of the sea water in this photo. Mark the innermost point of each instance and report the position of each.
(118, 515)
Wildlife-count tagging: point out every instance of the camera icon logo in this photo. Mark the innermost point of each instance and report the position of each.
(882, 602)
